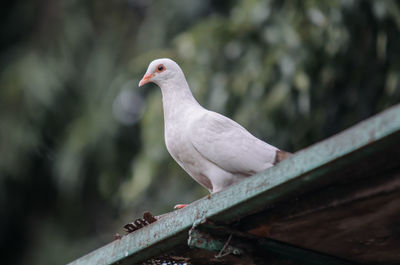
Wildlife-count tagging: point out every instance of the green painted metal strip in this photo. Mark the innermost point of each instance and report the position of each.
(245, 197)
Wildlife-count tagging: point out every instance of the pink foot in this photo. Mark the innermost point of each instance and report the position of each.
(180, 206)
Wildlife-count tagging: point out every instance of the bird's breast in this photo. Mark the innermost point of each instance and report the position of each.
(182, 150)
(176, 142)
(177, 134)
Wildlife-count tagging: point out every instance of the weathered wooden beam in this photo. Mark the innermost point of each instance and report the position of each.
(306, 170)
(245, 248)
(301, 255)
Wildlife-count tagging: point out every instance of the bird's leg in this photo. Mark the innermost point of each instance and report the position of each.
(180, 206)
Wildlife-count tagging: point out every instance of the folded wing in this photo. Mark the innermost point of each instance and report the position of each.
(228, 145)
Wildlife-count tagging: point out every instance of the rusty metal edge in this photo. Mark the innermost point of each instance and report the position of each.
(245, 197)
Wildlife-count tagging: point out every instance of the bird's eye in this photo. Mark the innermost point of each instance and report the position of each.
(160, 68)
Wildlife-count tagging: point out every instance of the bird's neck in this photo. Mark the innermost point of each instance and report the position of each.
(177, 98)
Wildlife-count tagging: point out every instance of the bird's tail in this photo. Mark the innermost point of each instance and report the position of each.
(281, 155)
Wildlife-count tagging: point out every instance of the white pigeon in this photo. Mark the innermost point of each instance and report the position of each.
(213, 149)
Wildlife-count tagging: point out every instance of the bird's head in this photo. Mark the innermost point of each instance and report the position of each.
(160, 71)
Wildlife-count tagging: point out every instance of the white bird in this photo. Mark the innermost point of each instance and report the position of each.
(213, 149)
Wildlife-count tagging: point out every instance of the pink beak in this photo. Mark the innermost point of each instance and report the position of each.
(146, 78)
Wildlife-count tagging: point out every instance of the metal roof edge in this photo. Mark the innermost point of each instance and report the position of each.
(250, 194)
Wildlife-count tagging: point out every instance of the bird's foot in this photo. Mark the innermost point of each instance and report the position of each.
(117, 236)
(180, 206)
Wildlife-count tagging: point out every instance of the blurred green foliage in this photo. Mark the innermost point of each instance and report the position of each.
(82, 147)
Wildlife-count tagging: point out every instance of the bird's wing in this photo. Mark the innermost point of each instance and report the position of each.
(228, 145)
